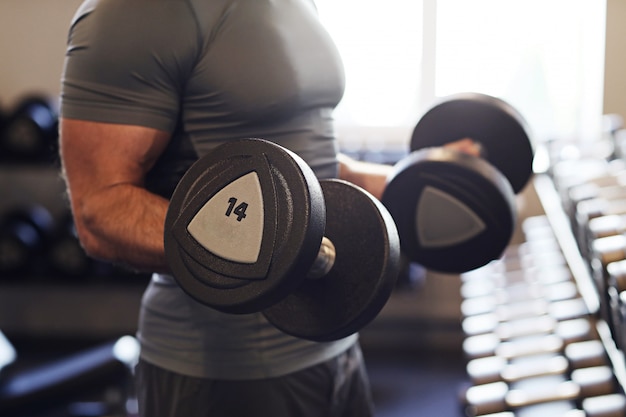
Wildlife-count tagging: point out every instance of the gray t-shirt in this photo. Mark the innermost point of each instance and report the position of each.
(209, 71)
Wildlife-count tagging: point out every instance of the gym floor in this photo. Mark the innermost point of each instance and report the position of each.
(417, 384)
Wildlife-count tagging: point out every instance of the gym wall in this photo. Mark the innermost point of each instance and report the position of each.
(615, 60)
(32, 45)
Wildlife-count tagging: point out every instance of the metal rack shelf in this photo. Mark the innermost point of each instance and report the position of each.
(552, 205)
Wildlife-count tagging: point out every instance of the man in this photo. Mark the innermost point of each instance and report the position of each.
(148, 87)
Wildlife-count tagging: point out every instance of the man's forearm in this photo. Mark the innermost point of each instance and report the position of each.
(124, 224)
(370, 176)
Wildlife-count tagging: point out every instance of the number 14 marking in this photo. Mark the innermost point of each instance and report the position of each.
(239, 210)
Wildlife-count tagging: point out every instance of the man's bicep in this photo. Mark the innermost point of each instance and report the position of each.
(105, 166)
(100, 155)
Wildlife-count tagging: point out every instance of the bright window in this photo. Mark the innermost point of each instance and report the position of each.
(546, 58)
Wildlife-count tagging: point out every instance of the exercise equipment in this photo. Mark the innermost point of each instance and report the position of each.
(616, 294)
(577, 355)
(59, 382)
(24, 236)
(30, 132)
(7, 353)
(250, 228)
(537, 318)
(605, 226)
(563, 334)
(66, 259)
(501, 396)
(610, 405)
(535, 350)
(605, 252)
(456, 212)
(534, 310)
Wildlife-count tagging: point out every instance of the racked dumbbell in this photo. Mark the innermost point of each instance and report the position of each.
(604, 227)
(605, 251)
(594, 194)
(570, 173)
(576, 355)
(495, 287)
(523, 327)
(568, 391)
(456, 212)
(30, 132)
(521, 318)
(24, 237)
(486, 291)
(537, 227)
(250, 228)
(608, 187)
(551, 369)
(543, 341)
(530, 256)
(577, 181)
(589, 210)
(603, 186)
(518, 301)
(616, 293)
(609, 405)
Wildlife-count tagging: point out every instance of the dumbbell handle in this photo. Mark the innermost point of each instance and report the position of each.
(324, 261)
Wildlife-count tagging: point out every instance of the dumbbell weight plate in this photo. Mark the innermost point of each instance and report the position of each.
(24, 238)
(30, 133)
(243, 226)
(500, 129)
(454, 212)
(362, 277)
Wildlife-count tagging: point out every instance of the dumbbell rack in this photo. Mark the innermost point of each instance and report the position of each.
(44, 306)
(482, 398)
(553, 208)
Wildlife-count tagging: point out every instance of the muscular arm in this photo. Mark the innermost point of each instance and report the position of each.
(104, 168)
(373, 177)
(370, 176)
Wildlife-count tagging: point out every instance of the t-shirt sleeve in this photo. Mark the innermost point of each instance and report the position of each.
(127, 62)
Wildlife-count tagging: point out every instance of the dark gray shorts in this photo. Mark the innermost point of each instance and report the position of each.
(336, 388)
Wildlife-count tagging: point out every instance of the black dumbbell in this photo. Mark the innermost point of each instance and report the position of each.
(25, 233)
(456, 212)
(250, 228)
(30, 132)
(66, 259)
